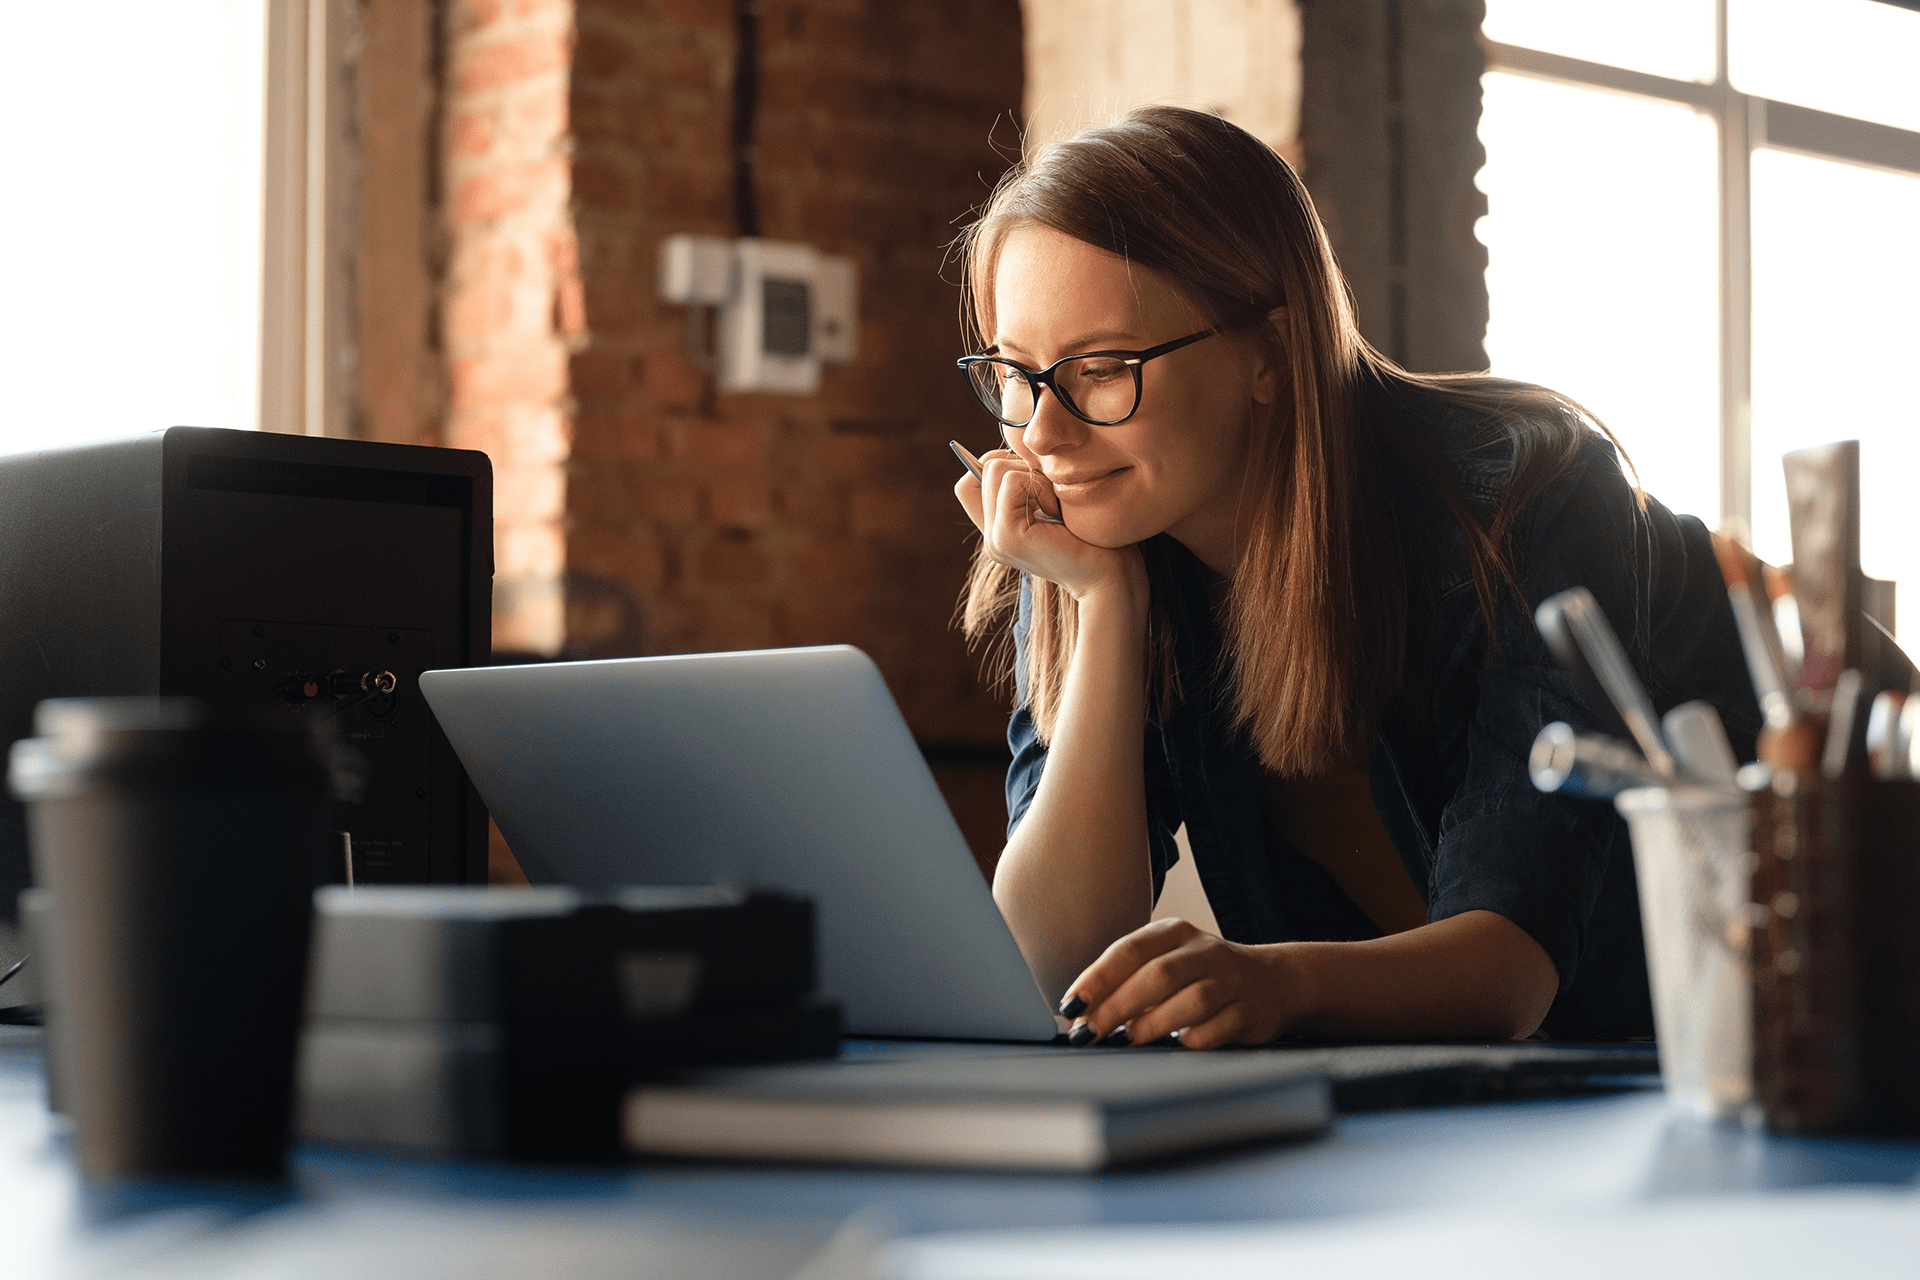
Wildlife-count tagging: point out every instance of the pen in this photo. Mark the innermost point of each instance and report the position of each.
(972, 464)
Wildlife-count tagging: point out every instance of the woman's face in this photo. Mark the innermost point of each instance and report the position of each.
(1176, 465)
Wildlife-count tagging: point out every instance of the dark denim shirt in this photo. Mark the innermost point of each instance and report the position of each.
(1448, 766)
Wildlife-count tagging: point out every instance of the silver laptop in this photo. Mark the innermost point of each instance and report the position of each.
(780, 768)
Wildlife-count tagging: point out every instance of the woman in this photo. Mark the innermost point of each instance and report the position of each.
(1289, 606)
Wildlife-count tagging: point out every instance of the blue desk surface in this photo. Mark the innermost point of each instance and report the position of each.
(1602, 1153)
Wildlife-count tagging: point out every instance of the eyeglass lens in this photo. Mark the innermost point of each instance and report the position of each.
(1101, 389)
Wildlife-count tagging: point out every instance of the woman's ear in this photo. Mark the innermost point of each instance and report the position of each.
(1269, 373)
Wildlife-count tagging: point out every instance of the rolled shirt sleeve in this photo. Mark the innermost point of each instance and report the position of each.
(1546, 862)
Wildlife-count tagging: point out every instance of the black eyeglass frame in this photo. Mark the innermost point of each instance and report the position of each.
(1045, 378)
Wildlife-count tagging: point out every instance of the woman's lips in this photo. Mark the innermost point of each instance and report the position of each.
(1087, 486)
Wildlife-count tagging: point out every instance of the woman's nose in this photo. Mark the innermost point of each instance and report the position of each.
(1052, 428)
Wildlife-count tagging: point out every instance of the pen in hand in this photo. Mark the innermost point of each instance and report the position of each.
(972, 464)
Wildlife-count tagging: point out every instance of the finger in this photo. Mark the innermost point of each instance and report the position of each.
(1041, 495)
(997, 473)
(1043, 498)
(1012, 500)
(1120, 961)
(1232, 1024)
(1198, 1004)
(1158, 996)
(972, 500)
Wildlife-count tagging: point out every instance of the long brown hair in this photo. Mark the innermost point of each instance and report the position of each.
(1314, 627)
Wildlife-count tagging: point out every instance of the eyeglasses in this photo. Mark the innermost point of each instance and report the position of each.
(1101, 388)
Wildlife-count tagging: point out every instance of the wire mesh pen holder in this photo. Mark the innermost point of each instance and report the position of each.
(1692, 858)
(1836, 955)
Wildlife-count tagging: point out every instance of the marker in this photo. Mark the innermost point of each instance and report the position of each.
(1587, 764)
(972, 464)
(1574, 619)
(1699, 742)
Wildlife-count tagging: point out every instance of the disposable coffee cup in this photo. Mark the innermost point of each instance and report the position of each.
(1692, 858)
(181, 843)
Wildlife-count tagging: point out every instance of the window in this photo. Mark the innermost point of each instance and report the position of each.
(133, 218)
(1700, 224)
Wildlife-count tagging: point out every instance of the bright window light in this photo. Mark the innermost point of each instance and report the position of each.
(1601, 238)
(133, 208)
(1836, 267)
(1851, 57)
(1672, 38)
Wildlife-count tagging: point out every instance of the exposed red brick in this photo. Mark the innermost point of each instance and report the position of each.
(477, 315)
(628, 437)
(829, 567)
(533, 493)
(728, 563)
(741, 504)
(852, 455)
(694, 15)
(668, 377)
(733, 620)
(530, 550)
(670, 502)
(531, 376)
(636, 561)
(512, 188)
(476, 15)
(474, 131)
(517, 434)
(490, 66)
(600, 373)
(599, 53)
(820, 511)
(725, 445)
(883, 513)
(531, 120)
(603, 184)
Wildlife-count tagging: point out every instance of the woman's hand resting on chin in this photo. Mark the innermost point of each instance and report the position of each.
(1003, 505)
(1169, 976)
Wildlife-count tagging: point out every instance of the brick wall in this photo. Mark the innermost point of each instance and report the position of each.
(638, 511)
(510, 306)
(709, 522)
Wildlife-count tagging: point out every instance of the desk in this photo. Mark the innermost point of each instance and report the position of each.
(1584, 1178)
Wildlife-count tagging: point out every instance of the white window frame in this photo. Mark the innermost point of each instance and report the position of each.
(1746, 124)
(306, 285)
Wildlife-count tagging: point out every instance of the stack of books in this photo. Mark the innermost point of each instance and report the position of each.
(510, 1022)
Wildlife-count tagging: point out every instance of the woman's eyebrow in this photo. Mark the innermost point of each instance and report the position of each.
(1085, 342)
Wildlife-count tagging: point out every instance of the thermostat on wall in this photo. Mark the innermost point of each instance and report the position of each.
(781, 309)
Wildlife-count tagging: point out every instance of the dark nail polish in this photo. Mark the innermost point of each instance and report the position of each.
(1073, 1006)
(1082, 1034)
(1118, 1038)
